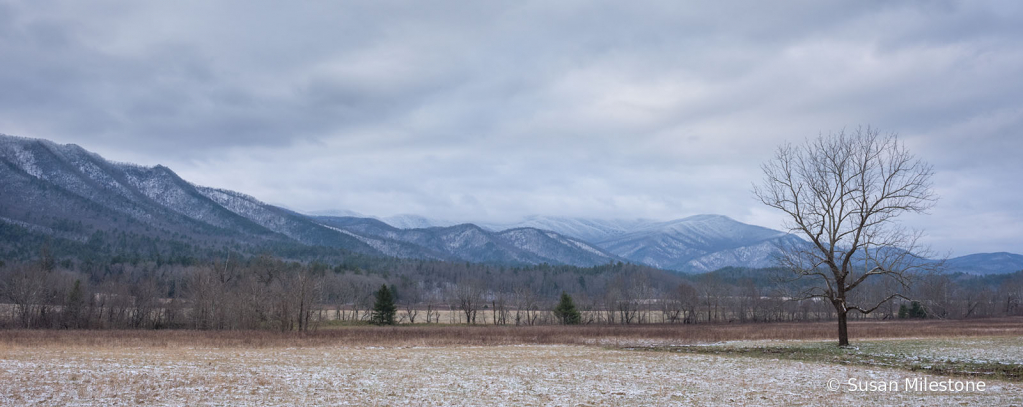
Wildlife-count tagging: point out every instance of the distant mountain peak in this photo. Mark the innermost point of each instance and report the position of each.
(470, 242)
(409, 221)
(708, 217)
(75, 197)
(54, 185)
(336, 212)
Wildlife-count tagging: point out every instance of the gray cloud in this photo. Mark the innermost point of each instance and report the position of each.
(491, 111)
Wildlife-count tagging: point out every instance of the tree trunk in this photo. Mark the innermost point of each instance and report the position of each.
(843, 330)
(841, 310)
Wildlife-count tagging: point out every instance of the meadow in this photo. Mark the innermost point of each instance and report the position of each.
(727, 364)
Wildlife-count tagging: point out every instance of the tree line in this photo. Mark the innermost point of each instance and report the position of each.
(264, 292)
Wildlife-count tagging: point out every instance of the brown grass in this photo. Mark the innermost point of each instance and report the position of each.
(432, 365)
(531, 375)
(613, 335)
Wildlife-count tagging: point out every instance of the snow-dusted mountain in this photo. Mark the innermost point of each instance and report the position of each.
(698, 243)
(590, 230)
(986, 263)
(90, 204)
(709, 242)
(336, 212)
(81, 203)
(414, 222)
(468, 242)
(125, 208)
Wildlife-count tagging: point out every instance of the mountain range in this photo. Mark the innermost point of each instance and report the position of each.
(82, 203)
(75, 199)
(697, 243)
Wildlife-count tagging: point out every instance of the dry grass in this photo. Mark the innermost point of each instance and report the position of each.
(463, 375)
(458, 365)
(614, 335)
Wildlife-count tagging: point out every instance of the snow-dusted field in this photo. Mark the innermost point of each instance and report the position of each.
(457, 375)
(1004, 349)
(989, 349)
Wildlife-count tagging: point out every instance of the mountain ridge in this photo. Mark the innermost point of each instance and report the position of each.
(470, 242)
(66, 192)
(46, 185)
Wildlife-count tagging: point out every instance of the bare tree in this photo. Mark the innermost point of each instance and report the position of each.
(527, 307)
(204, 291)
(623, 297)
(146, 311)
(432, 311)
(468, 295)
(690, 299)
(411, 297)
(308, 285)
(499, 307)
(24, 287)
(712, 290)
(1010, 295)
(843, 193)
(672, 306)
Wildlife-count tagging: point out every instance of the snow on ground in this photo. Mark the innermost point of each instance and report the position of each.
(992, 349)
(975, 350)
(499, 375)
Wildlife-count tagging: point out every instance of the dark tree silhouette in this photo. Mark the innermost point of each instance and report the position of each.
(566, 312)
(843, 192)
(384, 308)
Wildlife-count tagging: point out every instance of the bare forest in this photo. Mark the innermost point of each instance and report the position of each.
(268, 293)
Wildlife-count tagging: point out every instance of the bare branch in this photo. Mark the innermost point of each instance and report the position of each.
(843, 193)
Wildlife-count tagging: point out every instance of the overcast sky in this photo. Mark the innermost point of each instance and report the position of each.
(490, 111)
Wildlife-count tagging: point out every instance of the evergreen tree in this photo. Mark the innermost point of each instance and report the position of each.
(566, 312)
(917, 311)
(384, 308)
(914, 311)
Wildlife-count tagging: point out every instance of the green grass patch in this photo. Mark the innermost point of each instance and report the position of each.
(948, 357)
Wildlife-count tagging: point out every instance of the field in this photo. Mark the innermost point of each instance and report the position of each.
(770, 364)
